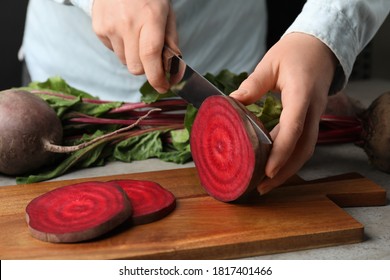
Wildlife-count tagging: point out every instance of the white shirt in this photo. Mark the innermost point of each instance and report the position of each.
(213, 35)
(59, 40)
(345, 26)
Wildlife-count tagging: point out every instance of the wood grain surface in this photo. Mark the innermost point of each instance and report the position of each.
(299, 215)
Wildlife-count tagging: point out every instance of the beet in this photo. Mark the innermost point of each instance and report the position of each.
(31, 133)
(376, 132)
(368, 128)
(229, 156)
(77, 212)
(84, 211)
(26, 122)
(150, 201)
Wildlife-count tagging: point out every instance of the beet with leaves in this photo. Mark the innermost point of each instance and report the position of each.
(163, 134)
(31, 133)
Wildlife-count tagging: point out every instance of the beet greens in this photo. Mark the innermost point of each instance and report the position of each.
(85, 119)
(163, 134)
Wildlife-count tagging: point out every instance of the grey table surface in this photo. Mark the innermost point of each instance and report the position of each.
(327, 161)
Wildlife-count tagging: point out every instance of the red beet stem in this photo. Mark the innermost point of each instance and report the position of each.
(158, 121)
(339, 129)
(127, 106)
(68, 149)
(128, 134)
(171, 103)
(345, 135)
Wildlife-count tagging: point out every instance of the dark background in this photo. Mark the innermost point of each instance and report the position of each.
(12, 13)
(280, 15)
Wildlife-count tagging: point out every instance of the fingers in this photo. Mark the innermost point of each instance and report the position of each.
(118, 47)
(304, 84)
(137, 31)
(303, 150)
(151, 46)
(160, 29)
(292, 120)
(257, 84)
(296, 134)
(291, 126)
(132, 60)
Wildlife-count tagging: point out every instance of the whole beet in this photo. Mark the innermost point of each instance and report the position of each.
(31, 133)
(376, 132)
(26, 122)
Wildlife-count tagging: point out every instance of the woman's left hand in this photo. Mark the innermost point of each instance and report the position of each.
(301, 68)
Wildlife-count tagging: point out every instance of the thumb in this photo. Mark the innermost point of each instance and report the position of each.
(256, 85)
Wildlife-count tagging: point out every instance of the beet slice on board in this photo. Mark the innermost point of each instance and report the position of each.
(229, 156)
(77, 212)
(150, 201)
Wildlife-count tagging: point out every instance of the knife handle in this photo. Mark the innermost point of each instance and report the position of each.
(170, 61)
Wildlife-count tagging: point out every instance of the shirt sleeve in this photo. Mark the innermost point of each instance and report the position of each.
(345, 27)
(85, 5)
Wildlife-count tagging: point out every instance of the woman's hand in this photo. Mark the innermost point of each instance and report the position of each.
(301, 68)
(136, 30)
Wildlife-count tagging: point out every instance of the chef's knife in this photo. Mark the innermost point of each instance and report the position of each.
(195, 88)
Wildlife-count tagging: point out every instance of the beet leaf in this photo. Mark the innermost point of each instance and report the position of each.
(57, 84)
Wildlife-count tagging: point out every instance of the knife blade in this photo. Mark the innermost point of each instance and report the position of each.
(196, 88)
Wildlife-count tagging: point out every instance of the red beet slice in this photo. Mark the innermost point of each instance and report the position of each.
(229, 157)
(77, 212)
(150, 201)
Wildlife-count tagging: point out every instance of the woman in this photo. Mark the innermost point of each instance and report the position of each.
(105, 47)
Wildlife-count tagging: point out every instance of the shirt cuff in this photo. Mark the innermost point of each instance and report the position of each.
(334, 29)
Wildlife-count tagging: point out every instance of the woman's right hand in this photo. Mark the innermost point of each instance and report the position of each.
(136, 30)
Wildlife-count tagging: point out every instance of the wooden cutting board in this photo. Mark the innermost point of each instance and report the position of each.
(298, 216)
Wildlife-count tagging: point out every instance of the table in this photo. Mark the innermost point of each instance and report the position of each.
(327, 161)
